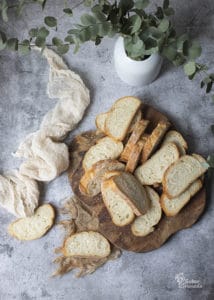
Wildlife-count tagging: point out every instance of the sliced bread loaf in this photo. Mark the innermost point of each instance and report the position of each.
(154, 139)
(86, 244)
(34, 227)
(138, 130)
(136, 119)
(132, 192)
(134, 156)
(144, 225)
(182, 173)
(90, 183)
(171, 207)
(174, 136)
(120, 211)
(106, 148)
(120, 117)
(152, 171)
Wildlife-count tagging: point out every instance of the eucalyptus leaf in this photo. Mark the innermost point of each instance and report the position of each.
(50, 21)
(69, 39)
(12, 44)
(68, 11)
(170, 52)
(190, 68)
(141, 4)
(56, 41)
(43, 33)
(40, 42)
(33, 32)
(209, 87)
(165, 4)
(88, 3)
(87, 19)
(3, 40)
(195, 50)
(126, 5)
(24, 47)
(4, 10)
(62, 49)
(164, 25)
(169, 11)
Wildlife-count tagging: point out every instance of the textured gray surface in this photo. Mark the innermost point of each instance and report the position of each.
(25, 268)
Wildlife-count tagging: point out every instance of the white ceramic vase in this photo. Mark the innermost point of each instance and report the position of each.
(133, 72)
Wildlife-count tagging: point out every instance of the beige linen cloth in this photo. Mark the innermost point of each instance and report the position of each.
(45, 155)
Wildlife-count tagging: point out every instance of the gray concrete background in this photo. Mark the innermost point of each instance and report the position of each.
(25, 267)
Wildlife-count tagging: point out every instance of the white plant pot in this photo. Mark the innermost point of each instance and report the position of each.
(135, 73)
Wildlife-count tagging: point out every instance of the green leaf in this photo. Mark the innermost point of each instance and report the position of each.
(159, 13)
(56, 41)
(84, 35)
(4, 10)
(104, 29)
(24, 47)
(3, 40)
(195, 50)
(169, 11)
(40, 42)
(98, 40)
(68, 11)
(88, 3)
(170, 52)
(165, 4)
(50, 21)
(43, 32)
(210, 160)
(62, 49)
(73, 31)
(190, 68)
(69, 39)
(209, 87)
(12, 44)
(33, 32)
(125, 6)
(141, 4)
(87, 19)
(164, 25)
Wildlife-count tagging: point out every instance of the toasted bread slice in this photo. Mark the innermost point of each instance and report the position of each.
(132, 191)
(106, 148)
(136, 119)
(134, 156)
(120, 117)
(144, 225)
(120, 211)
(90, 183)
(171, 207)
(32, 228)
(152, 171)
(110, 174)
(154, 140)
(86, 244)
(100, 121)
(174, 136)
(182, 173)
(138, 130)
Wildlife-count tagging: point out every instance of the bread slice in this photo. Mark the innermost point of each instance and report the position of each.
(32, 228)
(144, 225)
(134, 156)
(110, 174)
(90, 183)
(171, 207)
(182, 173)
(174, 136)
(136, 119)
(100, 121)
(120, 211)
(132, 191)
(106, 148)
(154, 139)
(152, 171)
(86, 244)
(138, 130)
(120, 117)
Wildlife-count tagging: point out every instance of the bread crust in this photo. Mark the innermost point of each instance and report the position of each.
(134, 156)
(154, 139)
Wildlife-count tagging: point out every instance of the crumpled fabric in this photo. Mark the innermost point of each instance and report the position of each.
(45, 155)
(18, 194)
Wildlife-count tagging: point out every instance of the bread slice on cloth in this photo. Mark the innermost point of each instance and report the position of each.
(106, 148)
(120, 117)
(32, 228)
(100, 121)
(152, 171)
(144, 225)
(137, 132)
(86, 244)
(154, 139)
(174, 136)
(171, 207)
(182, 173)
(90, 183)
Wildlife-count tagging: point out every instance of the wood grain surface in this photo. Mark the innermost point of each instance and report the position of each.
(122, 237)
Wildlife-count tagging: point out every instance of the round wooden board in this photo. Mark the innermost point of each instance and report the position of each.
(122, 237)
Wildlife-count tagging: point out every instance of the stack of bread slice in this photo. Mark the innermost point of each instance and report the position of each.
(132, 160)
